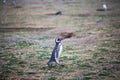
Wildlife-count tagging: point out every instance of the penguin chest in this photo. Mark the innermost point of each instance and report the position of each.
(58, 51)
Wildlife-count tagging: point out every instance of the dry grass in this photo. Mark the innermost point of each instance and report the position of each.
(27, 36)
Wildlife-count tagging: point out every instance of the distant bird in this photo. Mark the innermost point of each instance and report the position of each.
(58, 13)
(56, 52)
(4, 1)
(105, 7)
(13, 1)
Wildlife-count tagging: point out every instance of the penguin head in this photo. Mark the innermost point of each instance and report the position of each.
(59, 39)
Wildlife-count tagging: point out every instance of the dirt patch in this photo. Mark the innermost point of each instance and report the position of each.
(67, 35)
(27, 29)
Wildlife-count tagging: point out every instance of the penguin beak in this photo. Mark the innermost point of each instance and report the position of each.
(62, 38)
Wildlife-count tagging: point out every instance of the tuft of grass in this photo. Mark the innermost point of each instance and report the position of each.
(76, 78)
(30, 55)
(68, 48)
(86, 78)
(115, 51)
(77, 61)
(84, 65)
(52, 78)
(23, 44)
(3, 47)
(43, 68)
(69, 58)
(104, 51)
(30, 73)
(34, 65)
(96, 54)
(10, 67)
(1, 53)
(69, 70)
(44, 38)
(115, 62)
(101, 60)
(90, 73)
(43, 54)
(22, 62)
(116, 26)
(104, 73)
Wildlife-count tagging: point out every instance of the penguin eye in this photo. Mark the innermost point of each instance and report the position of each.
(58, 39)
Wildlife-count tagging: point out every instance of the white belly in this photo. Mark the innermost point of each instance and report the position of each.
(60, 50)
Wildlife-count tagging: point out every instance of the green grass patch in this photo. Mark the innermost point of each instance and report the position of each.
(77, 61)
(104, 73)
(112, 44)
(23, 44)
(96, 54)
(116, 26)
(86, 78)
(75, 78)
(90, 73)
(34, 65)
(68, 58)
(104, 51)
(101, 60)
(10, 66)
(56, 67)
(1, 53)
(68, 48)
(52, 78)
(69, 70)
(12, 61)
(3, 47)
(115, 62)
(84, 65)
(46, 48)
(30, 73)
(29, 55)
(44, 38)
(115, 51)
(22, 62)
(43, 56)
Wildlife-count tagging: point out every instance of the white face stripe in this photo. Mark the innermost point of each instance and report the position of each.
(56, 40)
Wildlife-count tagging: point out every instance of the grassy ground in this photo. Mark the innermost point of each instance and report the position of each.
(28, 30)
